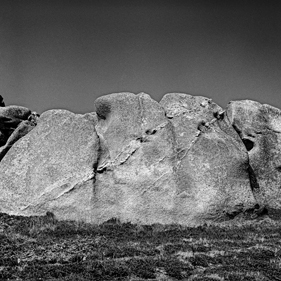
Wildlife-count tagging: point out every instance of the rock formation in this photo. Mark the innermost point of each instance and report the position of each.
(259, 127)
(15, 122)
(183, 160)
(51, 168)
(158, 165)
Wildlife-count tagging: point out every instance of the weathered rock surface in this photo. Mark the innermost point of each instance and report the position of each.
(51, 168)
(183, 160)
(211, 161)
(259, 126)
(135, 179)
(161, 164)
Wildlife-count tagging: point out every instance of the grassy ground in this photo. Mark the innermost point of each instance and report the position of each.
(41, 248)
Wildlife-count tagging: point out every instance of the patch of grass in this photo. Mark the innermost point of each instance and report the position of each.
(170, 249)
(207, 279)
(239, 277)
(199, 260)
(177, 269)
(106, 271)
(143, 268)
(42, 248)
(9, 261)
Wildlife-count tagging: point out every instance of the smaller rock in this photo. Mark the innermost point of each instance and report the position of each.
(3, 138)
(15, 111)
(24, 128)
(15, 122)
(6, 123)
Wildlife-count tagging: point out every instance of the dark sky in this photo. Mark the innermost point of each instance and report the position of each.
(64, 54)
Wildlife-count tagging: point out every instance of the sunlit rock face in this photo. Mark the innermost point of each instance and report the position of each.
(161, 163)
(135, 175)
(259, 127)
(182, 160)
(51, 168)
(212, 162)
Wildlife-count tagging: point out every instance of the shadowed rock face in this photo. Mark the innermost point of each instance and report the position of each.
(2, 104)
(183, 160)
(259, 127)
(15, 122)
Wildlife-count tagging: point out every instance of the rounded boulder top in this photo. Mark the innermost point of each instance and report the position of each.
(15, 111)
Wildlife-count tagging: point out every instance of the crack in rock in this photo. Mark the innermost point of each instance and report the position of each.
(154, 183)
(156, 129)
(56, 187)
(122, 157)
(140, 100)
(186, 150)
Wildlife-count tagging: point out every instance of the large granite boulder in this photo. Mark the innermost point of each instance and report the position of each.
(259, 127)
(211, 161)
(135, 179)
(52, 168)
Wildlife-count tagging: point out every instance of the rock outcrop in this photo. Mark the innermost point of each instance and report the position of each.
(135, 179)
(259, 127)
(51, 168)
(212, 162)
(183, 160)
(158, 165)
(15, 122)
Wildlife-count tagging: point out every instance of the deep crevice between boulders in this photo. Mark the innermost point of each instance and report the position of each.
(278, 168)
(260, 209)
(219, 115)
(238, 131)
(96, 164)
(248, 144)
(253, 179)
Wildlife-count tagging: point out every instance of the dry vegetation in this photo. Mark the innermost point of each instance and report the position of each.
(41, 248)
